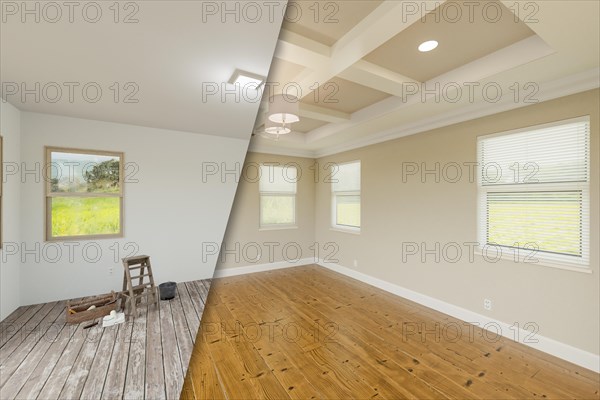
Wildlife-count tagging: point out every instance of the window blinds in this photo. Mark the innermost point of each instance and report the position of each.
(549, 155)
(534, 191)
(346, 177)
(278, 179)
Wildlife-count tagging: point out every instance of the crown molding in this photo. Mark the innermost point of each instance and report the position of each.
(577, 83)
(513, 56)
(281, 151)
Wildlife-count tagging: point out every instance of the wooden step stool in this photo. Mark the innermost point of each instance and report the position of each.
(145, 287)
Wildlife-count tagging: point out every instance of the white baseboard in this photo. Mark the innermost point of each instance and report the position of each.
(561, 350)
(250, 269)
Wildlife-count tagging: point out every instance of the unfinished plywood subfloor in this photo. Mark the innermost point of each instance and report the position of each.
(310, 333)
(41, 357)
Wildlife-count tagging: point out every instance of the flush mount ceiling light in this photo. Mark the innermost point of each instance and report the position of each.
(246, 79)
(428, 46)
(284, 109)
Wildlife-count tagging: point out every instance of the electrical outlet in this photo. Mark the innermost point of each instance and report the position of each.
(111, 270)
(356, 263)
(487, 304)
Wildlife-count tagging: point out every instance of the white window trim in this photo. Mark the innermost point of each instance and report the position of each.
(540, 262)
(545, 259)
(276, 227)
(334, 225)
(346, 229)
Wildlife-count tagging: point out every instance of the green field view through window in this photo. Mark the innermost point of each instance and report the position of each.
(348, 210)
(277, 210)
(546, 221)
(84, 193)
(83, 216)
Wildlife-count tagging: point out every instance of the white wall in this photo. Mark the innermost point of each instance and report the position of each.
(10, 129)
(168, 213)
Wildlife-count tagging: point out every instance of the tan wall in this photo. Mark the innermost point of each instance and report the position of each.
(243, 237)
(564, 304)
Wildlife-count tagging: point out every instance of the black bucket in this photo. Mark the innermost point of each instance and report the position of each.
(167, 290)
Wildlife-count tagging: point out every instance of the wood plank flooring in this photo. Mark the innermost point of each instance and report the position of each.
(41, 357)
(310, 333)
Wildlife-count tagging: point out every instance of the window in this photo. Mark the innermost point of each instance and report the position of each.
(345, 188)
(534, 192)
(277, 188)
(84, 194)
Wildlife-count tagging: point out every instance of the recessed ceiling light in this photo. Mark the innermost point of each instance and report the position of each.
(428, 46)
(245, 79)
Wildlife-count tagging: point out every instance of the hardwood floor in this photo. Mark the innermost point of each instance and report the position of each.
(310, 333)
(41, 357)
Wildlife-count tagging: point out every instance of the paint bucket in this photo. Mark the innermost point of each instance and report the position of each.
(167, 290)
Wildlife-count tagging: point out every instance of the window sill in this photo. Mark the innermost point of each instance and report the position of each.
(354, 231)
(277, 228)
(544, 263)
(83, 238)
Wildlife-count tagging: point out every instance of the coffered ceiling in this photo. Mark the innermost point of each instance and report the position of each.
(343, 95)
(463, 38)
(326, 21)
(361, 78)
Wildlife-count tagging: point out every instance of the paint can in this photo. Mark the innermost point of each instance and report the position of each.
(167, 290)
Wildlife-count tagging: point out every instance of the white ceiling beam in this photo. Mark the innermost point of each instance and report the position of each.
(519, 53)
(522, 52)
(323, 114)
(377, 28)
(301, 50)
(310, 111)
(344, 58)
(385, 22)
(561, 87)
(372, 75)
(313, 55)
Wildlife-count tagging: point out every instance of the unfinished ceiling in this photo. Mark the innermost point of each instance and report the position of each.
(157, 64)
(359, 72)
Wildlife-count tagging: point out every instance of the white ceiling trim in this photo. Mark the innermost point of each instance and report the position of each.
(573, 84)
(259, 144)
(514, 55)
(376, 77)
(323, 114)
(311, 54)
(280, 151)
(377, 28)
(522, 52)
(307, 111)
(577, 83)
(301, 50)
(381, 25)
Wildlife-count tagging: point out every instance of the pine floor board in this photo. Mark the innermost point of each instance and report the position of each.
(42, 357)
(308, 332)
